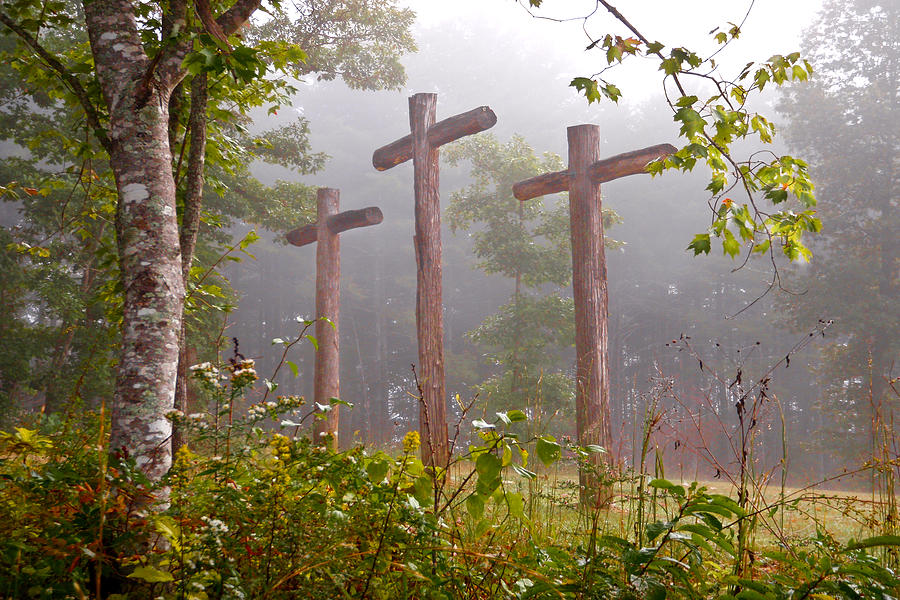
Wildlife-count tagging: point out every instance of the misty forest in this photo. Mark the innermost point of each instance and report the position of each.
(480, 299)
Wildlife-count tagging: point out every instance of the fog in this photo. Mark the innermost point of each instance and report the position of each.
(472, 54)
(687, 334)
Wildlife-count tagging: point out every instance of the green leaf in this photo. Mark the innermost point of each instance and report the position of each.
(588, 87)
(482, 424)
(312, 340)
(377, 470)
(488, 466)
(423, 489)
(686, 101)
(548, 450)
(730, 245)
(665, 484)
(524, 472)
(654, 530)
(475, 506)
(293, 367)
(151, 575)
(692, 123)
(700, 244)
(516, 505)
(516, 416)
(878, 540)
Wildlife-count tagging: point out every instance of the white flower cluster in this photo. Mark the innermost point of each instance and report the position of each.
(215, 526)
(174, 415)
(262, 410)
(206, 373)
(272, 409)
(243, 373)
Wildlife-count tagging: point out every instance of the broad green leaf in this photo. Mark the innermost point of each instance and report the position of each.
(701, 243)
(488, 466)
(516, 415)
(665, 484)
(423, 490)
(151, 575)
(516, 505)
(730, 245)
(293, 367)
(548, 450)
(524, 472)
(475, 506)
(377, 470)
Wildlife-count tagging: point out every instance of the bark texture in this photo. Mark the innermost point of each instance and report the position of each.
(429, 286)
(190, 227)
(422, 146)
(327, 383)
(147, 236)
(137, 91)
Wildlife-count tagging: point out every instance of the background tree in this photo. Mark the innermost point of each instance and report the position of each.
(845, 120)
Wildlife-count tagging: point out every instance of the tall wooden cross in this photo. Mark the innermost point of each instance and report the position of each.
(582, 180)
(422, 147)
(329, 223)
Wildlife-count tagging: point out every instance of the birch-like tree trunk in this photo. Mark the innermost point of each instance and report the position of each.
(146, 234)
(136, 90)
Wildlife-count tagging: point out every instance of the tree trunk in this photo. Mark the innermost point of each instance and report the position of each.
(147, 237)
(190, 227)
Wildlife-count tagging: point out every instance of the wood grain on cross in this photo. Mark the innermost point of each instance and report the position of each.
(329, 223)
(582, 180)
(421, 145)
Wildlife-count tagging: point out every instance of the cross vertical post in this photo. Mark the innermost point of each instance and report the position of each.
(329, 224)
(422, 147)
(589, 277)
(589, 290)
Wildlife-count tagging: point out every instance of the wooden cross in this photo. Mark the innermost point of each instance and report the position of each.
(582, 180)
(422, 147)
(327, 381)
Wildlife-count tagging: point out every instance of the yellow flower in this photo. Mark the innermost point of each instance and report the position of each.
(411, 442)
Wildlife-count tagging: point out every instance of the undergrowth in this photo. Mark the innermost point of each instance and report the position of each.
(254, 509)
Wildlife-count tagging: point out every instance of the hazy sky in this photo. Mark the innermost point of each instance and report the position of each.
(773, 27)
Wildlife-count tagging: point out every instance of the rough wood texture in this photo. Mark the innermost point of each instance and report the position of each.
(448, 130)
(628, 163)
(429, 274)
(422, 146)
(589, 290)
(349, 219)
(327, 382)
(621, 165)
(548, 183)
(589, 282)
(329, 224)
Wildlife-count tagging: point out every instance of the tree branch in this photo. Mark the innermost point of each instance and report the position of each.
(235, 17)
(90, 111)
